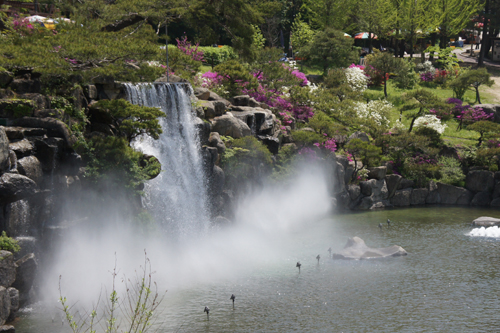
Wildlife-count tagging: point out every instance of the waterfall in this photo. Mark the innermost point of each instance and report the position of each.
(177, 198)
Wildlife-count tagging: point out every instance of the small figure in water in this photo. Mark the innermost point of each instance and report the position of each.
(388, 223)
(298, 265)
(318, 257)
(232, 298)
(330, 251)
(380, 226)
(207, 310)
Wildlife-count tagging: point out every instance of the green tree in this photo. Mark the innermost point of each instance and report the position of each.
(484, 128)
(236, 75)
(364, 152)
(474, 79)
(329, 49)
(419, 102)
(302, 35)
(385, 63)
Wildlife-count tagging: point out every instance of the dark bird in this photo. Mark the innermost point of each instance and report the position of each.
(298, 265)
(207, 310)
(380, 226)
(232, 298)
(318, 257)
(389, 222)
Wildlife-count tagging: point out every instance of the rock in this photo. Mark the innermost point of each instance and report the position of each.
(496, 189)
(27, 245)
(253, 103)
(7, 269)
(418, 196)
(342, 200)
(14, 302)
(23, 86)
(30, 167)
(486, 221)
(241, 100)
(497, 176)
(402, 197)
(354, 191)
(208, 108)
(349, 171)
(54, 125)
(338, 177)
(365, 203)
(449, 152)
(392, 182)
(22, 148)
(356, 248)
(273, 144)
(261, 122)
(14, 187)
(214, 140)
(202, 93)
(172, 79)
(5, 78)
(7, 329)
(495, 202)
(377, 173)
(405, 183)
(219, 107)
(228, 125)
(481, 199)
(216, 181)
(465, 199)
(203, 128)
(12, 162)
(359, 135)
(26, 270)
(480, 180)
(19, 133)
(450, 194)
(16, 108)
(4, 151)
(433, 197)
(91, 91)
(375, 188)
(4, 305)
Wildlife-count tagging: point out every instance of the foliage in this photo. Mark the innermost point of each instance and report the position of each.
(217, 55)
(430, 121)
(405, 76)
(329, 48)
(235, 78)
(356, 78)
(471, 79)
(385, 63)
(451, 171)
(422, 101)
(302, 35)
(132, 120)
(306, 138)
(364, 152)
(192, 51)
(135, 310)
(484, 128)
(446, 58)
(8, 243)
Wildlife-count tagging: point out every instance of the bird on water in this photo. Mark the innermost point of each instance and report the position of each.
(380, 226)
(232, 298)
(318, 257)
(389, 222)
(298, 265)
(207, 310)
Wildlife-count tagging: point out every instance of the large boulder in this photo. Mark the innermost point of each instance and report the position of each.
(359, 135)
(203, 129)
(4, 305)
(4, 151)
(402, 197)
(14, 302)
(30, 167)
(481, 199)
(375, 188)
(208, 109)
(15, 187)
(26, 270)
(486, 221)
(433, 197)
(377, 173)
(202, 93)
(261, 121)
(392, 182)
(215, 141)
(228, 125)
(242, 100)
(405, 183)
(450, 194)
(418, 196)
(22, 148)
(480, 180)
(356, 248)
(7, 269)
(354, 191)
(492, 109)
(23, 86)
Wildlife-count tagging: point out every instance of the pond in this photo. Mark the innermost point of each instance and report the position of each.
(448, 282)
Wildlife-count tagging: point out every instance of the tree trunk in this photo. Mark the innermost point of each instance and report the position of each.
(385, 85)
(480, 61)
(433, 43)
(478, 98)
(422, 55)
(411, 125)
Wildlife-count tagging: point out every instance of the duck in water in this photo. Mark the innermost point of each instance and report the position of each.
(318, 257)
(298, 265)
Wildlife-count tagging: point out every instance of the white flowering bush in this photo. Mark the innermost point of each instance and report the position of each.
(356, 79)
(425, 67)
(377, 110)
(398, 127)
(430, 121)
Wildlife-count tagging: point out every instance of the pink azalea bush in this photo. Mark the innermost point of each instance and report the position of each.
(188, 49)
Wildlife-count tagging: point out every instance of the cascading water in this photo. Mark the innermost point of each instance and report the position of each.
(176, 198)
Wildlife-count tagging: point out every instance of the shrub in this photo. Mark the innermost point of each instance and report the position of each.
(8, 243)
(356, 78)
(451, 171)
(406, 78)
(430, 121)
(235, 78)
(214, 56)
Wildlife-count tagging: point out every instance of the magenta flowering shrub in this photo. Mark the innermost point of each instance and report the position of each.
(22, 26)
(427, 77)
(468, 114)
(301, 76)
(329, 144)
(188, 49)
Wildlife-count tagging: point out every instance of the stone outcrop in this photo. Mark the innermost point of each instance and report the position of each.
(418, 196)
(377, 173)
(25, 275)
(15, 187)
(401, 198)
(4, 151)
(7, 269)
(486, 221)
(479, 181)
(450, 194)
(229, 125)
(356, 248)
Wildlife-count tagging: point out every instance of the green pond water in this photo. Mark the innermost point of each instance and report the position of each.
(448, 282)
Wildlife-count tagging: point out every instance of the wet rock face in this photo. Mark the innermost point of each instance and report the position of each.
(356, 248)
(4, 151)
(228, 125)
(7, 269)
(14, 187)
(479, 181)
